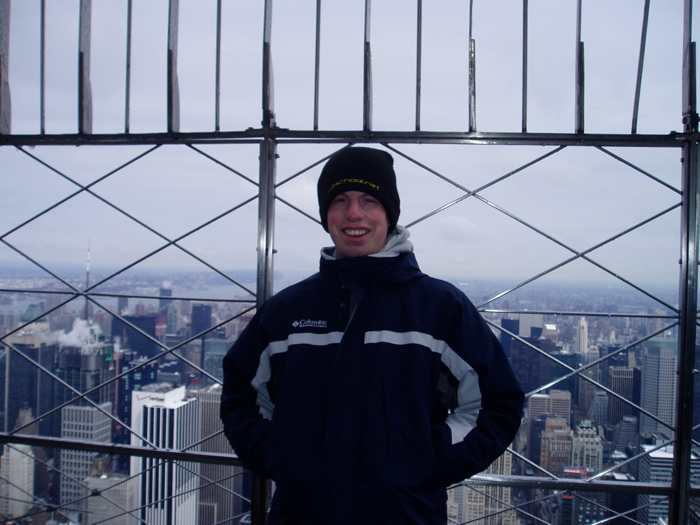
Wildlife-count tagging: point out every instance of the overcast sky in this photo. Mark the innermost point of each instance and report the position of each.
(579, 196)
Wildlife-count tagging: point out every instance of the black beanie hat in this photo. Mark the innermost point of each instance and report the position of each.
(367, 170)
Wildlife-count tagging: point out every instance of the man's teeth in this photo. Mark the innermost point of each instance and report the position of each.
(355, 233)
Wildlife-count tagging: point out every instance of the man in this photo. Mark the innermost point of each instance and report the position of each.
(368, 388)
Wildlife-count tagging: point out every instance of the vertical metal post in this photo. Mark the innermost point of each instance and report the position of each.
(472, 70)
(85, 90)
(526, 10)
(266, 222)
(580, 75)
(217, 86)
(173, 87)
(678, 506)
(5, 114)
(317, 63)
(419, 59)
(42, 69)
(367, 94)
(640, 65)
(690, 227)
(127, 87)
(266, 219)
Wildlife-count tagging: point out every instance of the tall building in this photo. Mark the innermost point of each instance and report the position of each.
(219, 483)
(17, 489)
(582, 337)
(169, 418)
(540, 406)
(587, 448)
(133, 339)
(625, 434)
(142, 373)
(622, 383)
(166, 292)
(113, 496)
(85, 362)
(81, 422)
(531, 325)
(213, 358)
(513, 326)
(588, 508)
(555, 371)
(657, 467)
(529, 367)
(483, 504)
(659, 381)
(35, 390)
(598, 409)
(201, 318)
(555, 445)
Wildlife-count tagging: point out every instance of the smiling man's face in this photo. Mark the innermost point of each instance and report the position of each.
(357, 223)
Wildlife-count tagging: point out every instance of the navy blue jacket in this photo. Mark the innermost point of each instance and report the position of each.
(364, 391)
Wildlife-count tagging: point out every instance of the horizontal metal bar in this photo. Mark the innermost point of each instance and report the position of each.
(671, 140)
(570, 484)
(114, 449)
(574, 485)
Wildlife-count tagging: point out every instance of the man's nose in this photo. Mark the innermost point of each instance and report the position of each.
(354, 210)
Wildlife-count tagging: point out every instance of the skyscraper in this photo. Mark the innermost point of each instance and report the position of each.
(112, 496)
(659, 381)
(35, 390)
(622, 383)
(17, 489)
(168, 418)
(582, 337)
(555, 445)
(81, 423)
(85, 362)
(587, 448)
(487, 505)
(134, 339)
(201, 318)
(219, 483)
(555, 403)
(657, 467)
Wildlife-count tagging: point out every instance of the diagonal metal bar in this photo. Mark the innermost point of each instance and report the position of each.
(582, 255)
(222, 164)
(119, 376)
(468, 192)
(141, 223)
(640, 170)
(507, 507)
(475, 194)
(79, 395)
(68, 197)
(577, 371)
(83, 395)
(631, 460)
(68, 505)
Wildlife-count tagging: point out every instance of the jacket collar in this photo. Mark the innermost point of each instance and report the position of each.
(395, 263)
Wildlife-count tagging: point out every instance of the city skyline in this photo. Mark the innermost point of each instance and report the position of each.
(562, 334)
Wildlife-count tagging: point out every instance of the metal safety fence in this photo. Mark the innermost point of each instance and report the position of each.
(158, 186)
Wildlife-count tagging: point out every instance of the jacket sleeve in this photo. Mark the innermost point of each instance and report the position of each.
(246, 407)
(489, 401)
